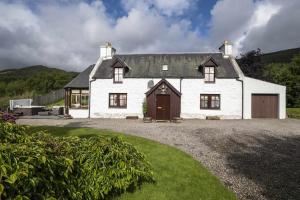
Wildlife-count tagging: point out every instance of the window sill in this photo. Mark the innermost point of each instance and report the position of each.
(78, 108)
(210, 108)
(209, 82)
(117, 107)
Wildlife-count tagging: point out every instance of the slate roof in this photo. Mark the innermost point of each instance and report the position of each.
(184, 65)
(81, 80)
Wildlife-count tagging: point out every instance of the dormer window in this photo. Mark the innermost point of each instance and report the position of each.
(118, 75)
(209, 74)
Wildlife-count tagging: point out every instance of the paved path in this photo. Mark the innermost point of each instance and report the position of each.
(257, 159)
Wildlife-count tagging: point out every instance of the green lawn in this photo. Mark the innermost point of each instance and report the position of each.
(178, 175)
(293, 112)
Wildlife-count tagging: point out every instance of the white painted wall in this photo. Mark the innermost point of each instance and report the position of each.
(255, 86)
(229, 90)
(79, 113)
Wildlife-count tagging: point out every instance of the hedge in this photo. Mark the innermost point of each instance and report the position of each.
(41, 166)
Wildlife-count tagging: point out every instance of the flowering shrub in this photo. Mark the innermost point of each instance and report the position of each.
(6, 117)
(41, 166)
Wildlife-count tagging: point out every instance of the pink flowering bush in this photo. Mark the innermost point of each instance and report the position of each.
(6, 117)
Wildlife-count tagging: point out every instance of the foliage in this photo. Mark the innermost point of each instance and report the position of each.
(6, 117)
(178, 175)
(287, 74)
(35, 80)
(41, 166)
(293, 113)
(60, 102)
(283, 56)
(145, 107)
(250, 63)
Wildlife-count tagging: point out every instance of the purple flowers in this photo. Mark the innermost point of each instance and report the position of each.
(6, 117)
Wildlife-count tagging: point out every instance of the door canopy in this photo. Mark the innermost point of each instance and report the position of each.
(163, 87)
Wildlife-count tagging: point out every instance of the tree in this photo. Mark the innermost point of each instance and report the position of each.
(2, 89)
(251, 64)
(288, 75)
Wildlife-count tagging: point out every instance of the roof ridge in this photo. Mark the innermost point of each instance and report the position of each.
(176, 53)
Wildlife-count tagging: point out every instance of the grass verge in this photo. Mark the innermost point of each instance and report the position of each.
(293, 112)
(178, 175)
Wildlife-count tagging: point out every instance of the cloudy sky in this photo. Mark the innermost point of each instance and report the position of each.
(67, 33)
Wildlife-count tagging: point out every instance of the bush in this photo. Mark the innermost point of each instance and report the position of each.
(40, 166)
(6, 117)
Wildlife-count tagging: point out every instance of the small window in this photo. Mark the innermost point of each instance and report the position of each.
(210, 101)
(118, 75)
(165, 67)
(209, 74)
(117, 100)
(79, 99)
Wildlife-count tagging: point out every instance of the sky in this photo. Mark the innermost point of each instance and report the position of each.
(67, 33)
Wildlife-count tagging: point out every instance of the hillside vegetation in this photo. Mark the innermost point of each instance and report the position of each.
(282, 67)
(30, 81)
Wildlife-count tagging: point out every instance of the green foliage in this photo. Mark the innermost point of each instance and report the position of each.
(34, 79)
(60, 102)
(41, 166)
(287, 74)
(251, 64)
(293, 113)
(284, 56)
(178, 175)
(145, 107)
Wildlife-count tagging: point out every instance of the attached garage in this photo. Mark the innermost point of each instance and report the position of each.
(263, 99)
(264, 106)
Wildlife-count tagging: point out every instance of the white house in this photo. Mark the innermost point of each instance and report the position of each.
(187, 85)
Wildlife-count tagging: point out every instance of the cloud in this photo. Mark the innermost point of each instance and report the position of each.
(166, 7)
(67, 33)
(270, 24)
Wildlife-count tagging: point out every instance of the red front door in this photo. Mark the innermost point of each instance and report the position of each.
(162, 107)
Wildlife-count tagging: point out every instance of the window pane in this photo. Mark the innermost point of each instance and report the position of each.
(75, 100)
(75, 91)
(206, 69)
(84, 91)
(211, 77)
(84, 101)
(117, 100)
(118, 74)
(211, 69)
(206, 77)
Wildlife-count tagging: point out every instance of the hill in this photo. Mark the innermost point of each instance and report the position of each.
(10, 75)
(283, 56)
(30, 81)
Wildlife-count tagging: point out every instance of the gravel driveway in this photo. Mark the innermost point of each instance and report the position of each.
(257, 159)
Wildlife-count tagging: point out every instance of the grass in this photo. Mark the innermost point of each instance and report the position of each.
(178, 175)
(60, 102)
(293, 113)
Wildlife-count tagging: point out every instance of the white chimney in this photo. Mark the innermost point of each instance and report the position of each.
(107, 51)
(226, 49)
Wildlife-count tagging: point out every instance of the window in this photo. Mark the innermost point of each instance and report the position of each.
(165, 67)
(118, 75)
(117, 100)
(210, 101)
(209, 74)
(79, 99)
